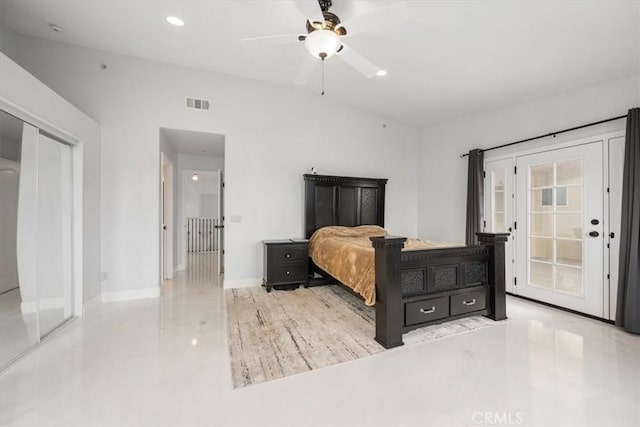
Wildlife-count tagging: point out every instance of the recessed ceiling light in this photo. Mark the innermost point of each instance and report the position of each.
(56, 28)
(174, 20)
(381, 73)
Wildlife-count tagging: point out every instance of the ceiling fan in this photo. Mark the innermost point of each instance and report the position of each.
(325, 34)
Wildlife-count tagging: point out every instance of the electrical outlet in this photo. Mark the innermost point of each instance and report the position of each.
(105, 276)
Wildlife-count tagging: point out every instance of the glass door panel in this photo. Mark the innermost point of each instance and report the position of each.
(563, 206)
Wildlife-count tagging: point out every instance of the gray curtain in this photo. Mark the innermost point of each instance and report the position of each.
(475, 196)
(628, 308)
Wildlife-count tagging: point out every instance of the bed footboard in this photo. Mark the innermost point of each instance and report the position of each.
(423, 287)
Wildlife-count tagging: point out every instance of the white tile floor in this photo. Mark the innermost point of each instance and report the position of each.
(164, 362)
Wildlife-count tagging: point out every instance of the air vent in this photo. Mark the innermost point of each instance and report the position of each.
(197, 104)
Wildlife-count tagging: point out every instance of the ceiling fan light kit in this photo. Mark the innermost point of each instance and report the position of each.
(324, 37)
(323, 43)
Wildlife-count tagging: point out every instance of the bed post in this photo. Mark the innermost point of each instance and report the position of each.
(497, 286)
(389, 319)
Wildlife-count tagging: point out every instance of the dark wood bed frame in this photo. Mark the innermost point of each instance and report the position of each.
(411, 286)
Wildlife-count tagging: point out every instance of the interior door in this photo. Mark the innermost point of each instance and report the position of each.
(220, 226)
(499, 207)
(560, 232)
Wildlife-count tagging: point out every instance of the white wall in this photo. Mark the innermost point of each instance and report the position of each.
(273, 136)
(22, 95)
(443, 174)
(8, 41)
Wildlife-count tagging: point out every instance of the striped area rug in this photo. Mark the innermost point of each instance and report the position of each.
(273, 335)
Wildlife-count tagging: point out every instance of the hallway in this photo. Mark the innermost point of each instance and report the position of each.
(165, 361)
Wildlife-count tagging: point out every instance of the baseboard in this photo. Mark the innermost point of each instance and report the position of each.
(130, 294)
(242, 283)
(92, 304)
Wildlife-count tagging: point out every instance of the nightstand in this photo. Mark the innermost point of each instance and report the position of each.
(286, 263)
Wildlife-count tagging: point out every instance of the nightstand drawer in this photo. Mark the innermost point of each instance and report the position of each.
(284, 254)
(426, 310)
(290, 273)
(468, 302)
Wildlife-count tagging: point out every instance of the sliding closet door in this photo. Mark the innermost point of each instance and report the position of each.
(560, 227)
(499, 207)
(18, 294)
(54, 249)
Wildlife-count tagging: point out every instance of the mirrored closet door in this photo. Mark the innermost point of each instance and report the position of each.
(35, 236)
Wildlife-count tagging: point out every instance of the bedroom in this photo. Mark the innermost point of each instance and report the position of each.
(276, 132)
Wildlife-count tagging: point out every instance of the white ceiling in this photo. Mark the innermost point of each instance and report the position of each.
(449, 59)
(196, 143)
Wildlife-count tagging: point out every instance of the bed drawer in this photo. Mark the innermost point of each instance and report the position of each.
(290, 273)
(426, 310)
(468, 302)
(284, 254)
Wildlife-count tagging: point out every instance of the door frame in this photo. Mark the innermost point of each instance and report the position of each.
(77, 196)
(550, 144)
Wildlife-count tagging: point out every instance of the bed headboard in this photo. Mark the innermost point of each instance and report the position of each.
(342, 200)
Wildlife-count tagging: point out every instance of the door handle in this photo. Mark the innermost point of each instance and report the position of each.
(612, 235)
(594, 234)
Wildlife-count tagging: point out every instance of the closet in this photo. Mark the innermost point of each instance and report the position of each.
(561, 205)
(36, 280)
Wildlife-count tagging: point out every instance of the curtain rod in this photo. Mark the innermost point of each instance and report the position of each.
(549, 134)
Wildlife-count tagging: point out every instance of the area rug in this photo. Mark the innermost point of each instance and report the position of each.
(281, 333)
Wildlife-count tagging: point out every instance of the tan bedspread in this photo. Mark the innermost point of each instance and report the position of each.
(346, 254)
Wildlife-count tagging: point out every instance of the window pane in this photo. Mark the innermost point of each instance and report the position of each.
(541, 249)
(536, 202)
(541, 274)
(498, 201)
(569, 172)
(542, 224)
(569, 225)
(542, 175)
(569, 252)
(573, 199)
(569, 279)
(498, 222)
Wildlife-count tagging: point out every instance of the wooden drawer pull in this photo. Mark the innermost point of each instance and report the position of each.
(473, 301)
(431, 310)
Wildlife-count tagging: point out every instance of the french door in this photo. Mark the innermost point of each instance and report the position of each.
(499, 207)
(560, 227)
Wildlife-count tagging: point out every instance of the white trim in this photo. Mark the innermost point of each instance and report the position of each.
(130, 294)
(242, 283)
(92, 304)
(35, 120)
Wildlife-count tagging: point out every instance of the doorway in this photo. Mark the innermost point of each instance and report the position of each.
(191, 213)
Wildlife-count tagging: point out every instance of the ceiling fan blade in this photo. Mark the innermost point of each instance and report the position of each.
(304, 73)
(378, 21)
(357, 61)
(253, 42)
(311, 9)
